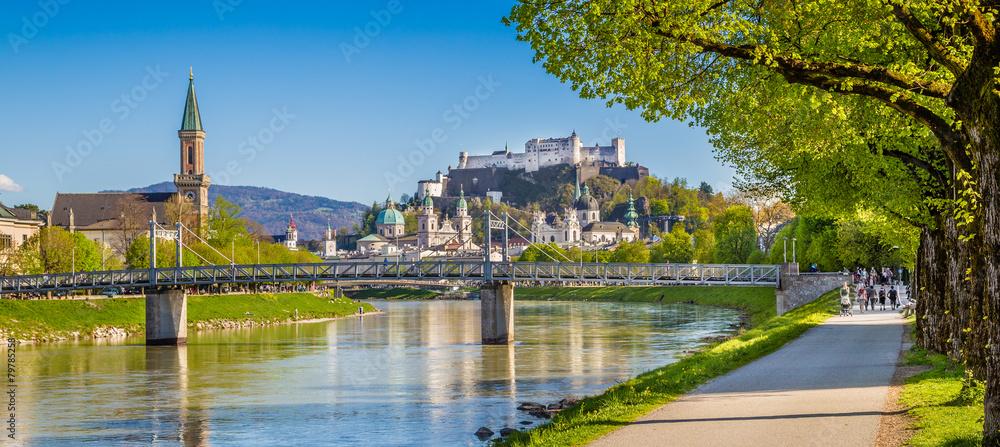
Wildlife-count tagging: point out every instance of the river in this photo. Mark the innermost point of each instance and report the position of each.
(414, 376)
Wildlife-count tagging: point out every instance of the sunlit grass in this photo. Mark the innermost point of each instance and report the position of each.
(395, 293)
(945, 416)
(758, 302)
(55, 319)
(627, 401)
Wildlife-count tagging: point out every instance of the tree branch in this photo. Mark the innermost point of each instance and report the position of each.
(934, 47)
(860, 71)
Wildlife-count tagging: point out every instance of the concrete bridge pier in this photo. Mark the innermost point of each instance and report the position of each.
(166, 317)
(497, 301)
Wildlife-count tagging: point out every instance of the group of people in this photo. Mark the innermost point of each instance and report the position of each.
(868, 298)
(872, 276)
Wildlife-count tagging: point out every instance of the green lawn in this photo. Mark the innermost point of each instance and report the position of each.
(758, 302)
(397, 293)
(946, 415)
(627, 401)
(54, 319)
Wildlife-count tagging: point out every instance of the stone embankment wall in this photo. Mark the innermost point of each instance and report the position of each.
(797, 289)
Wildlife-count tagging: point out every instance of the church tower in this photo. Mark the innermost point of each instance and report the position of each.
(192, 182)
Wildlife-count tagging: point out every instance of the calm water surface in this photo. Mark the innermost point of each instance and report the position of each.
(415, 376)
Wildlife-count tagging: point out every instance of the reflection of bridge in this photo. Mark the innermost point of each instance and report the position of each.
(166, 300)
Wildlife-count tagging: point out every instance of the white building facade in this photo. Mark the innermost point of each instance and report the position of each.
(539, 153)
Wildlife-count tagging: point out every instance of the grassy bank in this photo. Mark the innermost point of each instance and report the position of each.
(945, 413)
(68, 319)
(758, 302)
(397, 293)
(627, 401)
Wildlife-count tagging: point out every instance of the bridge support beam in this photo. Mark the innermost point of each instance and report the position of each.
(497, 300)
(166, 317)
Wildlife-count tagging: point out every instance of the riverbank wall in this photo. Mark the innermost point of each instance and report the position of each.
(796, 289)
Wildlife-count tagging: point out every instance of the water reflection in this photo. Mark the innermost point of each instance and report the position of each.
(416, 376)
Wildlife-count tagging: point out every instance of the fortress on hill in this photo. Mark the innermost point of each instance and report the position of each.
(540, 153)
(485, 175)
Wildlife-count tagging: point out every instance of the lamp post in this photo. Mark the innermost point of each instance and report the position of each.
(793, 251)
(784, 246)
(258, 251)
(73, 268)
(895, 254)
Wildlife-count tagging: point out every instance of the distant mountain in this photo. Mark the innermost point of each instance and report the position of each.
(271, 208)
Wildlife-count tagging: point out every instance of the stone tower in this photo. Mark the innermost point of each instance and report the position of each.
(463, 222)
(192, 182)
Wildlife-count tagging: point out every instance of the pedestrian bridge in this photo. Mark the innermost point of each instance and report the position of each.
(166, 301)
(519, 272)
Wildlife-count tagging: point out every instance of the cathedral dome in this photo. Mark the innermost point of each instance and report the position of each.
(390, 216)
(586, 201)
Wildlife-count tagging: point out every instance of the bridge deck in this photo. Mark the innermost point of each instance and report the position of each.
(534, 272)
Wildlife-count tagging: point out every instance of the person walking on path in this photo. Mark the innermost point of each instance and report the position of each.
(881, 298)
(862, 299)
(893, 297)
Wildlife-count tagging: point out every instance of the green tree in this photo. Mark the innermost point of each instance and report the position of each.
(901, 82)
(659, 207)
(634, 252)
(224, 224)
(704, 244)
(735, 236)
(675, 247)
(602, 186)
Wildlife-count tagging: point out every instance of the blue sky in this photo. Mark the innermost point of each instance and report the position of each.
(93, 94)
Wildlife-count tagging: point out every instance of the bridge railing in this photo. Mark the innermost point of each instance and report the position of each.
(651, 274)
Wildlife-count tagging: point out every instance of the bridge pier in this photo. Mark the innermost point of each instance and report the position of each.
(497, 301)
(166, 317)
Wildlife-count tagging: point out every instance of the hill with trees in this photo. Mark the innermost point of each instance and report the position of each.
(271, 208)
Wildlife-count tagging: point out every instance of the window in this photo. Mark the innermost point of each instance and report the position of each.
(552, 238)
(190, 155)
(6, 241)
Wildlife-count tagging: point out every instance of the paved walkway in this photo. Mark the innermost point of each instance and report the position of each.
(826, 388)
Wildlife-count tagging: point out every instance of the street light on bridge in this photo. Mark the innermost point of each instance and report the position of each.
(784, 246)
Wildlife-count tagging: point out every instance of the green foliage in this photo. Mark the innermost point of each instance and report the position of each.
(602, 186)
(54, 250)
(223, 222)
(659, 207)
(757, 257)
(395, 293)
(634, 252)
(735, 235)
(704, 243)
(675, 247)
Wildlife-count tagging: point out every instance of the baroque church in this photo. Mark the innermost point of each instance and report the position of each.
(102, 217)
(582, 223)
(440, 234)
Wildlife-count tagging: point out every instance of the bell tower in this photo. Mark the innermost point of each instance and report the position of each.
(192, 182)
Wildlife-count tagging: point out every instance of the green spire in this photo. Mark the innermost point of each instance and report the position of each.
(461, 198)
(192, 119)
(576, 195)
(586, 190)
(388, 200)
(630, 215)
(427, 197)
